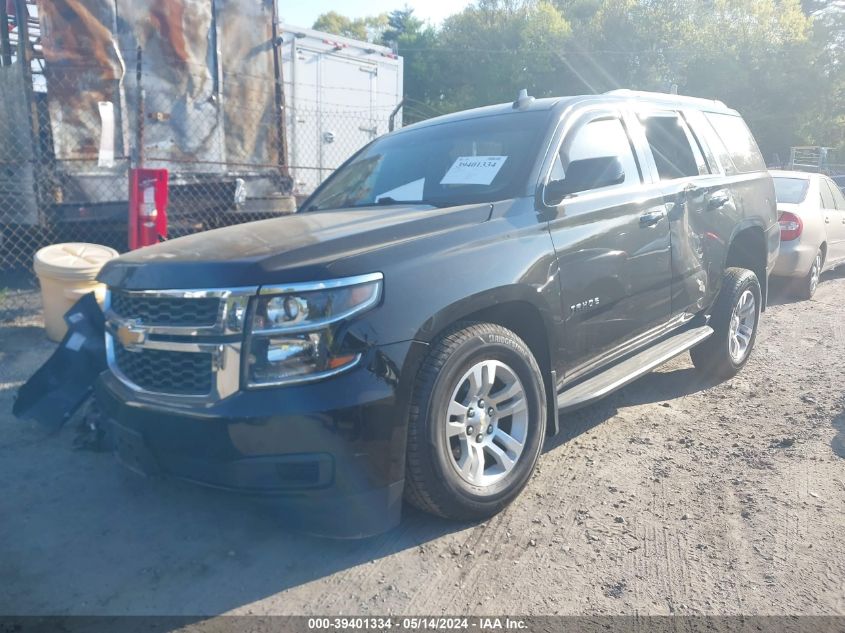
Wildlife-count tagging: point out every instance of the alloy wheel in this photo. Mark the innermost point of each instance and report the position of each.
(815, 273)
(486, 423)
(742, 326)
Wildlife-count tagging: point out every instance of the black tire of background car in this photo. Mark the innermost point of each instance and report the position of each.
(712, 357)
(431, 482)
(803, 287)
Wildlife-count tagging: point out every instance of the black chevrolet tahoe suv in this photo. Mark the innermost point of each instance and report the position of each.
(437, 306)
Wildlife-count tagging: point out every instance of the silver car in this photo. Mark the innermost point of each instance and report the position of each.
(811, 212)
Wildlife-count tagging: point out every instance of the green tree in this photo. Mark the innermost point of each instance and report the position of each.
(489, 51)
(824, 124)
(400, 22)
(779, 62)
(368, 29)
(334, 22)
(756, 55)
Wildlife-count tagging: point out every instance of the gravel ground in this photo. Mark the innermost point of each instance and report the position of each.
(671, 497)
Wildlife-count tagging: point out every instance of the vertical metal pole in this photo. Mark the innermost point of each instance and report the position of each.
(5, 42)
(294, 145)
(136, 159)
(25, 63)
(319, 126)
(24, 53)
(391, 124)
(278, 72)
(139, 132)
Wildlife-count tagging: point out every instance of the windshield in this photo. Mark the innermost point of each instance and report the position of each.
(791, 190)
(463, 162)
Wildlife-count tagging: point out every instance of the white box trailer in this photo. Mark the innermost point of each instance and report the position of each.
(340, 94)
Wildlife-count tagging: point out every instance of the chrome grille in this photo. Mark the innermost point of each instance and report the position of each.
(175, 344)
(166, 311)
(178, 373)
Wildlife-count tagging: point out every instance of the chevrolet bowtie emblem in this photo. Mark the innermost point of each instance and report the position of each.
(130, 336)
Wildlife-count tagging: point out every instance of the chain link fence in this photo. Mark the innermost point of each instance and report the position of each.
(71, 131)
(322, 136)
(62, 181)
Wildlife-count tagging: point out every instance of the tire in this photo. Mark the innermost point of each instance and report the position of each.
(446, 434)
(717, 356)
(806, 287)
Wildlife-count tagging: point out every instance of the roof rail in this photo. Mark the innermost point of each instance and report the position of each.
(643, 94)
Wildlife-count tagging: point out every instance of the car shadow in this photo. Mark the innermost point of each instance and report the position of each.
(781, 293)
(81, 535)
(660, 386)
(781, 289)
(838, 441)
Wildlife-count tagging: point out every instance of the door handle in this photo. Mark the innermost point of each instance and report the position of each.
(651, 218)
(827, 219)
(717, 201)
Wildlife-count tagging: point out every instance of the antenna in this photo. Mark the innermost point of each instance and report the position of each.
(523, 100)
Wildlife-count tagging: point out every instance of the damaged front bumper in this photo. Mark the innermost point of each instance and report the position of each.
(329, 455)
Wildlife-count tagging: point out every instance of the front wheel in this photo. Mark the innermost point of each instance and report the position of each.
(734, 320)
(477, 423)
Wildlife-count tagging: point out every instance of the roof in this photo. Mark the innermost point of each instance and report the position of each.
(548, 103)
(537, 105)
(661, 97)
(330, 38)
(786, 173)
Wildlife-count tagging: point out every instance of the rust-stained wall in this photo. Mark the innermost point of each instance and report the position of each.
(183, 121)
(207, 76)
(83, 66)
(249, 102)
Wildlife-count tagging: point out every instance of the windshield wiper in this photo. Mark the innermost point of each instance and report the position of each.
(381, 202)
(387, 200)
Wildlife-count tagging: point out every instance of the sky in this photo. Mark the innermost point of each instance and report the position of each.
(299, 13)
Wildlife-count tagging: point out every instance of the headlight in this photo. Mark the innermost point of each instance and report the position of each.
(291, 330)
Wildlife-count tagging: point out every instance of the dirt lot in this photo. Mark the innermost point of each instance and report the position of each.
(672, 496)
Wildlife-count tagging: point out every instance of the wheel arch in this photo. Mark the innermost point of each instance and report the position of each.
(747, 249)
(514, 308)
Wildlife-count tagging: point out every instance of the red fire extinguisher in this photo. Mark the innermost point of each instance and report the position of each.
(147, 207)
(11, 18)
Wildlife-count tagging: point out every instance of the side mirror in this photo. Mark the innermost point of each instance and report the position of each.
(584, 175)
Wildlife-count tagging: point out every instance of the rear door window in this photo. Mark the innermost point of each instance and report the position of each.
(670, 145)
(738, 140)
(838, 198)
(707, 136)
(826, 195)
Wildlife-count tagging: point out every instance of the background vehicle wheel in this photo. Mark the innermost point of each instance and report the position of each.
(477, 423)
(734, 320)
(806, 287)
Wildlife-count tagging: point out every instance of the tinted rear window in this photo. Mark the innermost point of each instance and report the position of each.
(791, 190)
(738, 139)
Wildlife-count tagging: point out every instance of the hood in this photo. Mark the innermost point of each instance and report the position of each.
(298, 247)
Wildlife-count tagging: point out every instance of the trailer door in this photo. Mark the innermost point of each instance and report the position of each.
(348, 99)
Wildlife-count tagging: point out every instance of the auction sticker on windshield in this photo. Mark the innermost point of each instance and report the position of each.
(473, 170)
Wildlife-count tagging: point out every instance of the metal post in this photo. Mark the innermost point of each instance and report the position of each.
(391, 124)
(138, 154)
(278, 73)
(5, 42)
(24, 60)
(293, 158)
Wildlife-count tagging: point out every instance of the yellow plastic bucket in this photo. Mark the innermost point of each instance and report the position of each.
(66, 272)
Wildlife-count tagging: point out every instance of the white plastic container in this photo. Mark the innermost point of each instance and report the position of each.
(66, 272)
